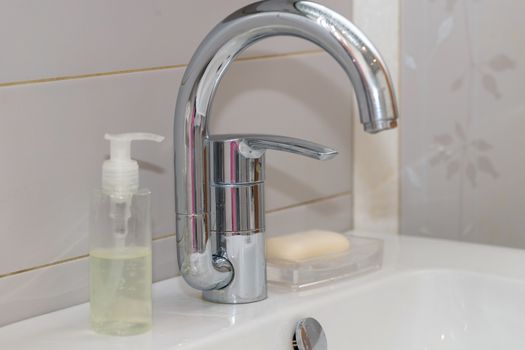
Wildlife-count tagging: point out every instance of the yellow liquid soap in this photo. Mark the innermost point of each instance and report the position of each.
(120, 289)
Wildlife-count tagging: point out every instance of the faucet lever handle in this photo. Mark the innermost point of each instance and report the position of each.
(256, 143)
(239, 159)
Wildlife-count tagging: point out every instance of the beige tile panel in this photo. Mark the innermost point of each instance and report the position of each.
(64, 37)
(53, 145)
(462, 145)
(56, 287)
(306, 97)
(376, 162)
(332, 213)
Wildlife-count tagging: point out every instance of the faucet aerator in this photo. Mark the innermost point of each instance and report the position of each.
(380, 125)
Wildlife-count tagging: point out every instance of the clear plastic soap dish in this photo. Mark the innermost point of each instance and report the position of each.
(365, 255)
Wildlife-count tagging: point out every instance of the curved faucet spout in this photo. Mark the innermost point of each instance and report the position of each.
(196, 248)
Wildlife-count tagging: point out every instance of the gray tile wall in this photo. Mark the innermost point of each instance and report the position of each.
(73, 70)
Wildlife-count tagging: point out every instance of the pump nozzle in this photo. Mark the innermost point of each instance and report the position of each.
(120, 173)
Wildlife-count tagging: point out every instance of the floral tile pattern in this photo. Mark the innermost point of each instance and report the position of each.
(462, 113)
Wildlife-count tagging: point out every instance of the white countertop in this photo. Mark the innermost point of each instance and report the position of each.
(182, 320)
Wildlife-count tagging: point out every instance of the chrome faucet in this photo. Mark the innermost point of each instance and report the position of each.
(219, 179)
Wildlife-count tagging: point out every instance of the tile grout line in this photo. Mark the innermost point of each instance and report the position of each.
(271, 211)
(75, 258)
(312, 201)
(149, 69)
(154, 239)
(89, 75)
(53, 263)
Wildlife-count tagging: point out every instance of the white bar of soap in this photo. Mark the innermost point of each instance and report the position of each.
(305, 245)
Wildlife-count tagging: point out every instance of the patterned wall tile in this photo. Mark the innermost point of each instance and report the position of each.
(462, 108)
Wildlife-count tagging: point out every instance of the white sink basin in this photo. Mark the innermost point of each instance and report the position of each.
(445, 310)
(419, 310)
(429, 295)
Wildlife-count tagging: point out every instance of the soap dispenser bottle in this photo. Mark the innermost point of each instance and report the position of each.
(120, 244)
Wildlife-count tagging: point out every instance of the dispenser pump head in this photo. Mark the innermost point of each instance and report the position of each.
(120, 173)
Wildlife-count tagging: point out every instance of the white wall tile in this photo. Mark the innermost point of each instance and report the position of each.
(48, 289)
(36, 292)
(463, 107)
(54, 147)
(376, 162)
(331, 214)
(56, 287)
(64, 37)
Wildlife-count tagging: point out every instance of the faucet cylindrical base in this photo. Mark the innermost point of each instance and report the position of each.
(247, 255)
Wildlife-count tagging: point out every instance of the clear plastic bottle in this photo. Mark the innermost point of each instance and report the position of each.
(120, 245)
